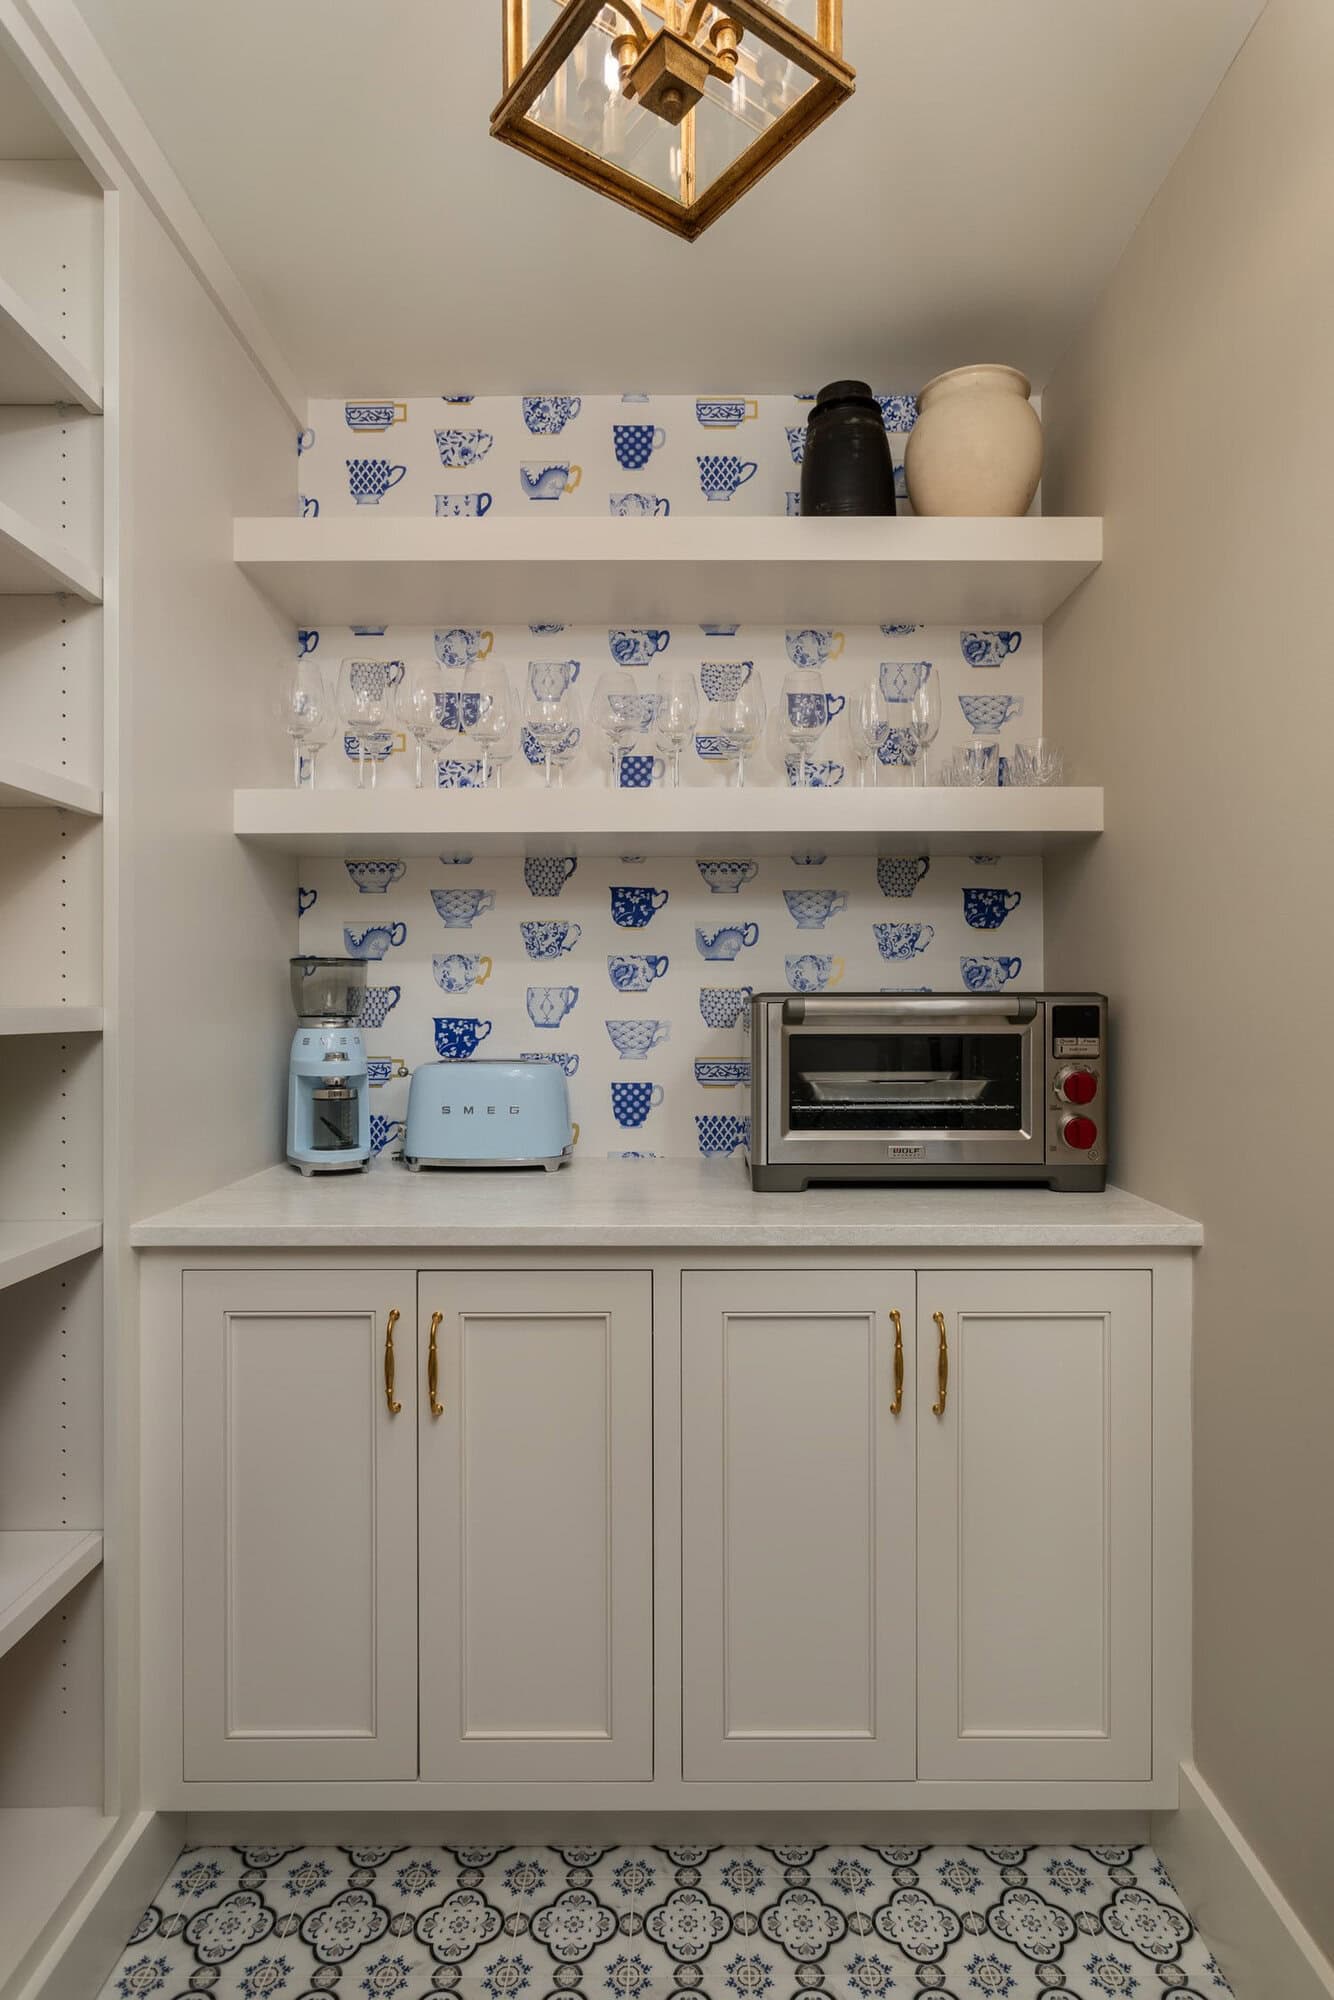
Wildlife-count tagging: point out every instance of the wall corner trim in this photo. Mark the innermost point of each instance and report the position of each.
(1261, 1942)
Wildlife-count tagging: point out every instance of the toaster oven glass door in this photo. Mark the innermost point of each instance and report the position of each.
(948, 1089)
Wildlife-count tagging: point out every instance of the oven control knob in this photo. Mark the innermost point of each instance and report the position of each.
(1081, 1133)
(1077, 1086)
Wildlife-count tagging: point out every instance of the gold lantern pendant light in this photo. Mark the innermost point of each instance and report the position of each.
(672, 107)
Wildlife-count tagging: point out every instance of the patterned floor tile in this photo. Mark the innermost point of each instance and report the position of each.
(787, 1922)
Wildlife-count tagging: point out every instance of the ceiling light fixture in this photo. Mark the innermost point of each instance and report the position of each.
(672, 107)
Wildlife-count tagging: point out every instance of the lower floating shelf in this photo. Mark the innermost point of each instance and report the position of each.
(56, 1019)
(398, 821)
(37, 1568)
(29, 1248)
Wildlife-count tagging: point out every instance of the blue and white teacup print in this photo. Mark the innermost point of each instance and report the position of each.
(791, 504)
(724, 413)
(460, 449)
(900, 679)
(636, 645)
(712, 748)
(374, 941)
(306, 642)
(305, 439)
(635, 972)
(564, 746)
(309, 505)
(378, 745)
(458, 708)
(369, 479)
(811, 857)
(813, 971)
(898, 629)
(899, 749)
(381, 1070)
(989, 649)
(371, 632)
(986, 714)
(812, 708)
(811, 909)
(548, 1005)
(727, 878)
(460, 774)
(549, 679)
(796, 442)
(545, 938)
(722, 1072)
(459, 971)
(987, 909)
(564, 1059)
(723, 680)
(896, 941)
(640, 773)
(721, 1132)
(384, 1132)
(899, 412)
(548, 479)
(458, 909)
(306, 900)
(462, 506)
(633, 904)
(813, 647)
(547, 416)
(899, 874)
(539, 626)
(728, 941)
(724, 1006)
(377, 1004)
(633, 1040)
(374, 416)
(458, 1036)
(372, 878)
(462, 644)
(820, 773)
(713, 630)
(632, 1102)
(634, 444)
(547, 874)
(722, 474)
(639, 506)
(989, 975)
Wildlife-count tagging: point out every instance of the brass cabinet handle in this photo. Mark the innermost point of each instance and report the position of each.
(897, 1403)
(389, 1325)
(433, 1367)
(942, 1367)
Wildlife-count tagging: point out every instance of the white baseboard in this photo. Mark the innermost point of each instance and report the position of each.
(92, 1937)
(1258, 1938)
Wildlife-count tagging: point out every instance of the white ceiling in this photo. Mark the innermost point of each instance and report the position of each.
(967, 204)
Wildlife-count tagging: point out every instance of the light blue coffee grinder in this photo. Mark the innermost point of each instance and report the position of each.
(328, 1087)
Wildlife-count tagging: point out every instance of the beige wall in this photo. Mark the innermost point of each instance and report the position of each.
(1193, 676)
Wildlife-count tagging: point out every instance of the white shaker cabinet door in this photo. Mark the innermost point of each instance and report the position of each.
(300, 1525)
(536, 1456)
(1034, 1513)
(798, 1525)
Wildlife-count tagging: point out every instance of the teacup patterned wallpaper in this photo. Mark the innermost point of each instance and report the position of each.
(634, 973)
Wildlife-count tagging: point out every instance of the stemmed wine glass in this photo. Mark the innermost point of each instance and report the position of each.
(741, 723)
(868, 725)
(552, 720)
(803, 715)
(675, 713)
(305, 712)
(926, 716)
(620, 711)
(417, 703)
(488, 709)
(364, 694)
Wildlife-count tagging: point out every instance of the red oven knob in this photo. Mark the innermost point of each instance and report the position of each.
(1081, 1133)
(1077, 1086)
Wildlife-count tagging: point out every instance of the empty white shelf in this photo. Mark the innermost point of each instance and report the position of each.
(52, 1020)
(29, 1248)
(415, 570)
(36, 563)
(38, 1567)
(35, 364)
(694, 820)
(27, 785)
(44, 1852)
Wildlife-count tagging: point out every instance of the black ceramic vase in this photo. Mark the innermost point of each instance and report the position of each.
(846, 467)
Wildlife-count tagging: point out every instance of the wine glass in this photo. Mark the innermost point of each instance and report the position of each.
(620, 712)
(741, 723)
(488, 708)
(501, 748)
(868, 723)
(364, 693)
(417, 704)
(302, 707)
(675, 713)
(925, 711)
(803, 714)
(551, 719)
(441, 734)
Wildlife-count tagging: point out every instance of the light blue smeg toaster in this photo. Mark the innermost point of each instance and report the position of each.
(484, 1113)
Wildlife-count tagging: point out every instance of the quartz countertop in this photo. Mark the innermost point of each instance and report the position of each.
(664, 1204)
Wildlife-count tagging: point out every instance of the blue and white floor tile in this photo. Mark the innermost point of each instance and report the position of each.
(667, 1923)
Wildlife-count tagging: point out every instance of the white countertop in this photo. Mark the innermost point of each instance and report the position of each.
(619, 1204)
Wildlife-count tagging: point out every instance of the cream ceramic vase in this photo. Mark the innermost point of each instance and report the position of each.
(976, 447)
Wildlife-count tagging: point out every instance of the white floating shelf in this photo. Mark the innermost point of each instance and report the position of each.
(694, 820)
(35, 364)
(35, 563)
(29, 1248)
(25, 785)
(376, 569)
(44, 1852)
(37, 1568)
(53, 1020)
